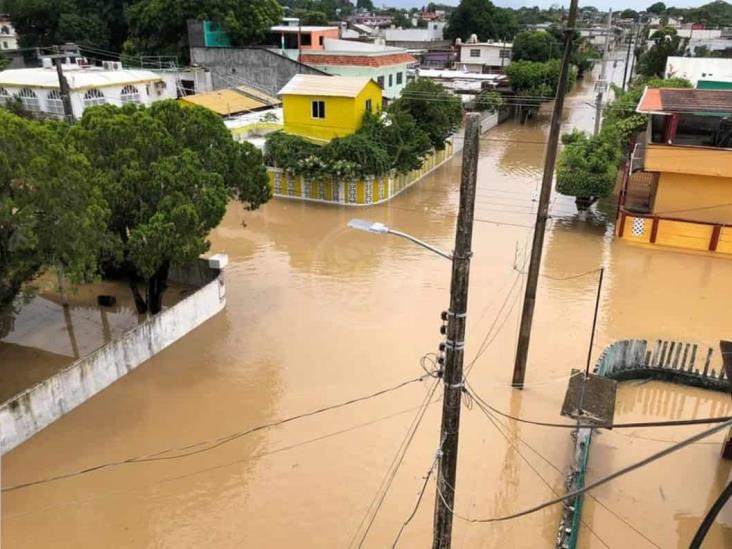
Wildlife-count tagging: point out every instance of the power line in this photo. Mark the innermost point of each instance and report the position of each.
(416, 505)
(620, 472)
(215, 443)
(632, 425)
(392, 470)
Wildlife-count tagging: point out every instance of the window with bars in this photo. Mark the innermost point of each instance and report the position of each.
(130, 94)
(380, 81)
(94, 97)
(4, 96)
(505, 54)
(30, 100)
(400, 76)
(55, 102)
(474, 53)
(391, 80)
(318, 109)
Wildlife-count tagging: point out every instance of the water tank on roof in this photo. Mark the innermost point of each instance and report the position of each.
(473, 39)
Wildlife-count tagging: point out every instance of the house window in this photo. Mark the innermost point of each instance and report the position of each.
(505, 54)
(5, 45)
(55, 103)
(391, 80)
(400, 76)
(30, 100)
(94, 97)
(320, 40)
(130, 94)
(369, 107)
(4, 96)
(318, 109)
(380, 81)
(474, 53)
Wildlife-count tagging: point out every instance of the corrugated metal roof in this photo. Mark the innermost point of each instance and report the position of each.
(338, 86)
(225, 102)
(680, 100)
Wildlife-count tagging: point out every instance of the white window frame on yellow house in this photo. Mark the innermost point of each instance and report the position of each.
(317, 109)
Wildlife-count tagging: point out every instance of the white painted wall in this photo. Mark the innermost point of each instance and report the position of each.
(26, 414)
(488, 54)
(699, 68)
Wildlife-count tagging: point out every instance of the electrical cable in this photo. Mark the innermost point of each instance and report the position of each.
(714, 510)
(594, 484)
(631, 425)
(215, 442)
(391, 472)
(541, 456)
(416, 505)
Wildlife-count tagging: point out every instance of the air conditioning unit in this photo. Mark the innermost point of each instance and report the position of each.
(111, 65)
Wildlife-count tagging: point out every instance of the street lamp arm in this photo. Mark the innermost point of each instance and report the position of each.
(421, 243)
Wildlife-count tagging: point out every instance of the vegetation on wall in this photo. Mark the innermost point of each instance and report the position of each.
(396, 140)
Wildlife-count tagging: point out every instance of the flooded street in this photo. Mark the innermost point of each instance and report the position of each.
(318, 314)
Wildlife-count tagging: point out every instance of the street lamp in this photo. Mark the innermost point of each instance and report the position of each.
(380, 228)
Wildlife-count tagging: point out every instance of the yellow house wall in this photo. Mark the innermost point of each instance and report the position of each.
(682, 196)
(688, 160)
(343, 115)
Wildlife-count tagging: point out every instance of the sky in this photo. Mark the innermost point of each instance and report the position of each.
(600, 4)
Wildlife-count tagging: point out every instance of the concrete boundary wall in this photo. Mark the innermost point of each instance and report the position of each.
(27, 413)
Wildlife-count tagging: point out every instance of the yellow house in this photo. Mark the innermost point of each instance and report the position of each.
(677, 189)
(323, 107)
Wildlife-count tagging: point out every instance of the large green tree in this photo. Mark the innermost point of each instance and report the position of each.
(482, 18)
(436, 111)
(166, 173)
(657, 8)
(159, 27)
(652, 63)
(536, 46)
(99, 23)
(51, 213)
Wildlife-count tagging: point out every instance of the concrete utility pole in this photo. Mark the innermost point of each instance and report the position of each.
(63, 85)
(627, 58)
(527, 314)
(602, 81)
(455, 343)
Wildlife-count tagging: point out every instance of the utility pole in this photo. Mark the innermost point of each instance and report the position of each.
(602, 81)
(63, 85)
(542, 213)
(627, 58)
(455, 342)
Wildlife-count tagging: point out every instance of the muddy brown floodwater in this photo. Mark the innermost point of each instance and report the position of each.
(318, 314)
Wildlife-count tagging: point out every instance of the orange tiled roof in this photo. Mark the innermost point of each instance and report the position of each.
(359, 60)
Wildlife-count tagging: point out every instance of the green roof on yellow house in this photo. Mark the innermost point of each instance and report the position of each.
(335, 86)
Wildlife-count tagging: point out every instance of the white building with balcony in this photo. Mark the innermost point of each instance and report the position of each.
(39, 91)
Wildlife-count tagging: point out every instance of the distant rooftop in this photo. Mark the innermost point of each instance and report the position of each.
(305, 28)
(685, 100)
(338, 86)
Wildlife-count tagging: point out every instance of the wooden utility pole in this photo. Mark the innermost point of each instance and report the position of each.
(455, 342)
(527, 314)
(63, 85)
(602, 81)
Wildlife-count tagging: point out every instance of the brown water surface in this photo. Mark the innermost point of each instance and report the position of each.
(318, 314)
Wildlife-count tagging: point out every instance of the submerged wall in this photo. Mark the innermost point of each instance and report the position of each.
(34, 409)
(359, 192)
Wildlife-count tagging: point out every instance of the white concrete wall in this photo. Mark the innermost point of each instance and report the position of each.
(699, 68)
(489, 54)
(27, 413)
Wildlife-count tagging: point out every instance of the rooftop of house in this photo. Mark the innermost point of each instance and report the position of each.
(684, 100)
(304, 28)
(336, 86)
(345, 52)
(79, 77)
(487, 44)
(231, 101)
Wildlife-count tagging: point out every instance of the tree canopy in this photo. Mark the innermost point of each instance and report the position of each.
(166, 173)
(536, 46)
(482, 18)
(658, 8)
(652, 63)
(51, 213)
(436, 111)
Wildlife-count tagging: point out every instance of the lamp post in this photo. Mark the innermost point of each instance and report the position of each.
(380, 228)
